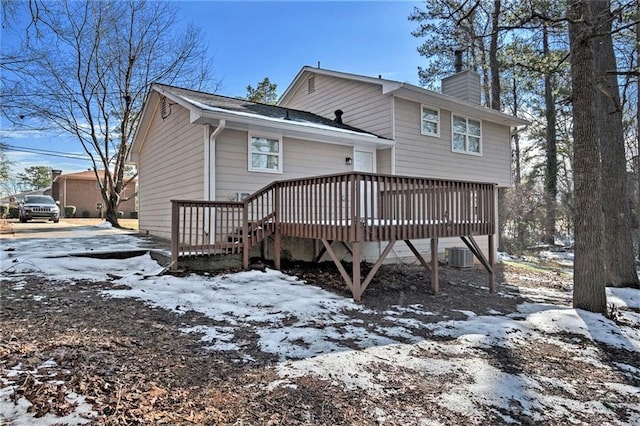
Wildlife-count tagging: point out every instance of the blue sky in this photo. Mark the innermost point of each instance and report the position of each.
(252, 40)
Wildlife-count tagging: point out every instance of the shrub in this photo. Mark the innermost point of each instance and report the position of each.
(120, 215)
(86, 214)
(4, 211)
(69, 211)
(14, 213)
(133, 215)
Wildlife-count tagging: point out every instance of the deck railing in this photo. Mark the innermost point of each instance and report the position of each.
(349, 207)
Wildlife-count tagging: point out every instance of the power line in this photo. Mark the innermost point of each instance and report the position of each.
(46, 152)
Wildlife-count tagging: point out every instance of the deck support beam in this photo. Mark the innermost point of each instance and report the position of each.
(435, 283)
(492, 263)
(433, 269)
(324, 249)
(343, 272)
(354, 283)
(376, 266)
(489, 264)
(356, 279)
(277, 247)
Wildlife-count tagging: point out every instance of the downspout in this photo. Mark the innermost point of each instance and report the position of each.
(209, 159)
(393, 134)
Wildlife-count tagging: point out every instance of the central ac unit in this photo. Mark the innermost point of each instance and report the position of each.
(239, 196)
(460, 257)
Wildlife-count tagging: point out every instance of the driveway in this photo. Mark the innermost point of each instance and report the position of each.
(66, 228)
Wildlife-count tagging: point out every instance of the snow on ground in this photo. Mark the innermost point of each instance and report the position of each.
(315, 332)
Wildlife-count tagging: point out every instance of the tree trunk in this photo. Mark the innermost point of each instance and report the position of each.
(618, 238)
(637, 171)
(495, 103)
(493, 57)
(551, 167)
(588, 271)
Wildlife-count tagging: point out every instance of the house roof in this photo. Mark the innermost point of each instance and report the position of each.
(84, 175)
(410, 92)
(240, 114)
(245, 108)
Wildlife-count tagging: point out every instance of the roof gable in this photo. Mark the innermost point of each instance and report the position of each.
(243, 108)
(407, 91)
(84, 175)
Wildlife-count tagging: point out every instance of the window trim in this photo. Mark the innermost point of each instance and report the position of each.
(466, 135)
(250, 153)
(422, 131)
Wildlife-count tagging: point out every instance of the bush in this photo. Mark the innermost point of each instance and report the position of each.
(69, 211)
(133, 215)
(86, 214)
(14, 213)
(120, 215)
(4, 210)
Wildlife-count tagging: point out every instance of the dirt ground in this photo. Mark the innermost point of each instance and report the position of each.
(135, 366)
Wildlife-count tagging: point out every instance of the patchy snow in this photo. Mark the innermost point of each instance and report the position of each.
(310, 331)
(17, 412)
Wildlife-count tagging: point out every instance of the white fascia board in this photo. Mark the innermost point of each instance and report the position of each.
(180, 100)
(428, 97)
(145, 122)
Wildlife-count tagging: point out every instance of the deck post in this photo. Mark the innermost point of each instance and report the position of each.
(277, 239)
(245, 236)
(435, 285)
(175, 234)
(492, 263)
(357, 282)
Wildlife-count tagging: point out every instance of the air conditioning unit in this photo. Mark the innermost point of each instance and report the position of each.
(460, 257)
(239, 196)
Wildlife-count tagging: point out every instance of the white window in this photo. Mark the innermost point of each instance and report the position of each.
(430, 118)
(265, 154)
(467, 135)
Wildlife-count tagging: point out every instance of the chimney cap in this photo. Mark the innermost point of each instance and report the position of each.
(457, 64)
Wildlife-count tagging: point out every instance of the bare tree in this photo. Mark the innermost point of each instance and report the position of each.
(589, 269)
(88, 70)
(618, 240)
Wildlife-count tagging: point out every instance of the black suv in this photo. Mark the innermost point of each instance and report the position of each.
(39, 206)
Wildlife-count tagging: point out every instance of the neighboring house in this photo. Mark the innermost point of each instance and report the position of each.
(82, 191)
(198, 146)
(14, 200)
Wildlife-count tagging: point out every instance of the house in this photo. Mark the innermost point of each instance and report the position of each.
(397, 162)
(82, 191)
(14, 199)
(11, 202)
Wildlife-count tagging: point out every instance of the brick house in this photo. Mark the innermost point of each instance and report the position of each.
(82, 191)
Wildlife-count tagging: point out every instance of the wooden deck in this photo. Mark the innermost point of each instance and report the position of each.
(352, 208)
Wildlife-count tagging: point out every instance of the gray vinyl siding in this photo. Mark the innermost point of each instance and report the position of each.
(363, 104)
(383, 161)
(464, 85)
(171, 167)
(420, 155)
(300, 159)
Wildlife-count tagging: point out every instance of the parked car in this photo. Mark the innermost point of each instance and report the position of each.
(39, 206)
